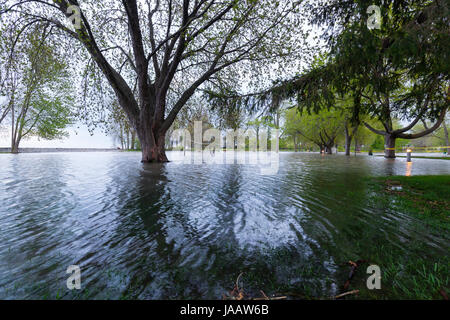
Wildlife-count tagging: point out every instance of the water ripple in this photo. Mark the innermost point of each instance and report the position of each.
(180, 230)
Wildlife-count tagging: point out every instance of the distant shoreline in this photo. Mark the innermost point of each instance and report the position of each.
(45, 150)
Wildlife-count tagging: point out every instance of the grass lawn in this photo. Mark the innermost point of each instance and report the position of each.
(425, 197)
(419, 157)
(414, 275)
(425, 157)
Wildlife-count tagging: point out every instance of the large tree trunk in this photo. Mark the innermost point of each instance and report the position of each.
(348, 143)
(152, 145)
(329, 149)
(389, 146)
(153, 152)
(15, 148)
(15, 144)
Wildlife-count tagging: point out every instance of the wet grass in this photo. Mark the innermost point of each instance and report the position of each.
(416, 274)
(403, 276)
(412, 274)
(406, 274)
(424, 197)
(425, 157)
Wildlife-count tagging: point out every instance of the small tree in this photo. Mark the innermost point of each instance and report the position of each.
(323, 128)
(40, 100)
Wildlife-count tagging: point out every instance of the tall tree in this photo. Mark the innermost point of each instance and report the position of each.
(8, 78)
(40, 98)
(182, 42)
(399, 71)
(42, 102)
(405, 59)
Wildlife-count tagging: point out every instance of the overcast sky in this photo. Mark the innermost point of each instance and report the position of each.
(78, 138)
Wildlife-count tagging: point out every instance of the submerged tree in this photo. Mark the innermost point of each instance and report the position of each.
(396, 71)
(409, 76)
(166, 42)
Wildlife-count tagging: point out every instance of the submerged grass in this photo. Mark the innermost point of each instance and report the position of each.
(412, 274)
(426, 199)
(423, 197)
(406, 274)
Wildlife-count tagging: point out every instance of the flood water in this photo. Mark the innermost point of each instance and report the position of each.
(186, 231)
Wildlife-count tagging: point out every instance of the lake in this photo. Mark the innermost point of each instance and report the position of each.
(186, 231)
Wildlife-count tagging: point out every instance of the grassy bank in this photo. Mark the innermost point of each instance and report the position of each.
(424, 197)
(425, 157)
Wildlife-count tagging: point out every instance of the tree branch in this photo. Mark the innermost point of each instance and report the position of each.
(368, 126)
(427, 131)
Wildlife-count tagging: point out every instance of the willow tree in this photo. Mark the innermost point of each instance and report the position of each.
(37, 85)
(322, 128)
(173, 47)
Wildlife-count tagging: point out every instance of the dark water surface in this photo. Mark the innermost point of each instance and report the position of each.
(186, 231)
